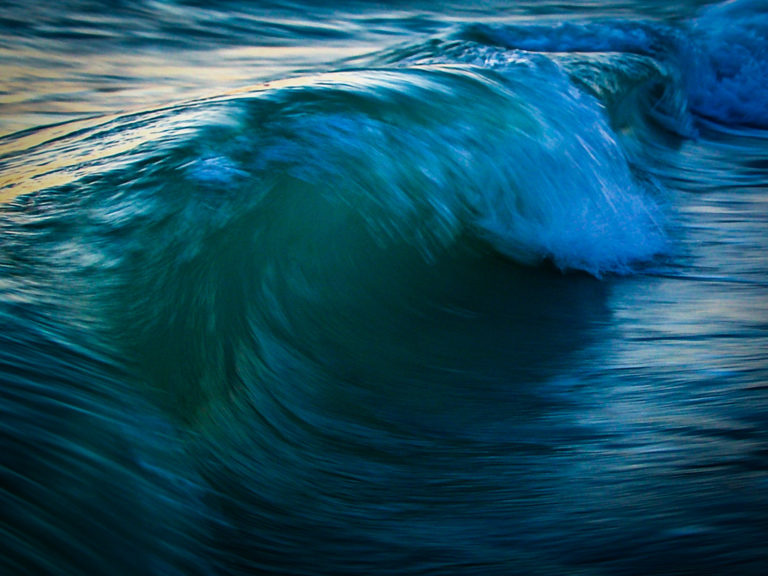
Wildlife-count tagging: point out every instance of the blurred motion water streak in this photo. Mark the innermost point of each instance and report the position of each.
(426, 288)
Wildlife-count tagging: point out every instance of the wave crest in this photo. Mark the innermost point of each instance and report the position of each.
(726, 63)
(515, 153)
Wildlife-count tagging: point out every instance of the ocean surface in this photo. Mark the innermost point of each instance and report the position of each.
(420, 288)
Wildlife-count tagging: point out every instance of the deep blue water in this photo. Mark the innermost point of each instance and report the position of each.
(458, 289)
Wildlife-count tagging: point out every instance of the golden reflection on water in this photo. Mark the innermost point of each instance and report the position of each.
(63, 97)
(55, 155)
(41, 87)
(51, 168)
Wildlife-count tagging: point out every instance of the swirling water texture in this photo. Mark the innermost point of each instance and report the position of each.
(488, 299)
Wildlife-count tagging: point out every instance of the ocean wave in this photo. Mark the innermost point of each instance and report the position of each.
(720, 56)
(218, 310)
(369, 321)
(627, 36)
(86, 457)
(726, 63)
(419, 155)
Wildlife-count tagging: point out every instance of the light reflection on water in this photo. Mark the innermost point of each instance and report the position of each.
(58, 65)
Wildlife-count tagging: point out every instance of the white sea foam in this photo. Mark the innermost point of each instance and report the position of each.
(566, 192)
(726, 63)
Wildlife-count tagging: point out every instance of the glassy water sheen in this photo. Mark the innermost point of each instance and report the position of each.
(425, 288)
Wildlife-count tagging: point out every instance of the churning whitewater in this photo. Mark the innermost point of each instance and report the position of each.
(296, 289)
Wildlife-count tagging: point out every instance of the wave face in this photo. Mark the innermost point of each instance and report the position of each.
(468, 290)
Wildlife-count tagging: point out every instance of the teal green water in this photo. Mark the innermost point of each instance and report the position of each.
(296, 289)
